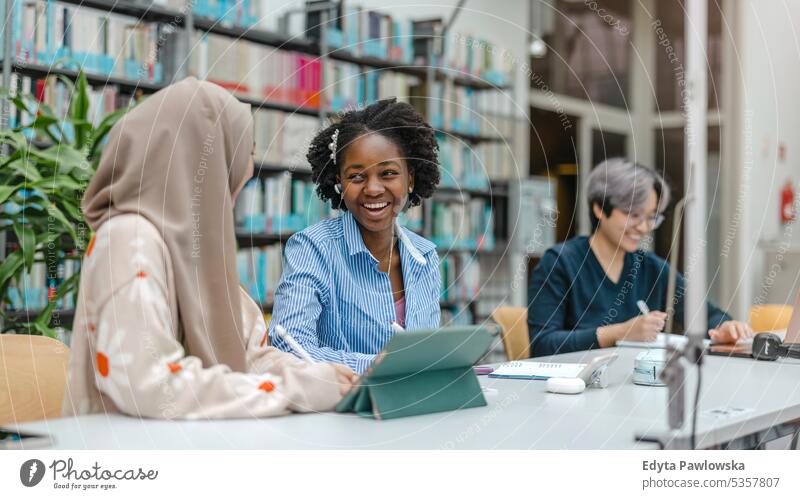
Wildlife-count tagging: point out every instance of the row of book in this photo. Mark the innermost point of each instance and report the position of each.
(465, 226)
(236, 12)
(260, 271)
(368, 33)
(259, 72)
(282, 138)
(38, 286)
(47, 32)
(348, 87)
(279, 204)
(498, 156)
(455, 108)
(462, 165)
(472, 55)
(460, 277)
(497, 160)
(252, 70)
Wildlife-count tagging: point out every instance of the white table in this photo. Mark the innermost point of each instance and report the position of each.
(520, 415)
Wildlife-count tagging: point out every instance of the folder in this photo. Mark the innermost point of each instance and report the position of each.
(421, 372)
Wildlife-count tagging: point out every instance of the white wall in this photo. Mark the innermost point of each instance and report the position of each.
(766, 82)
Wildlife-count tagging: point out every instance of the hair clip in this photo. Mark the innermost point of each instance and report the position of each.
(332, 145)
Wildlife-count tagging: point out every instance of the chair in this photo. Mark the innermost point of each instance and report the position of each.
(33, 374)
(514, 323)
(770, 317)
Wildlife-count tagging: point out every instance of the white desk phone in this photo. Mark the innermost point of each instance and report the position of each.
(592, 375)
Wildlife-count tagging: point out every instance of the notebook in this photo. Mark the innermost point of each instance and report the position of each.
(662, 341)
(536, 370)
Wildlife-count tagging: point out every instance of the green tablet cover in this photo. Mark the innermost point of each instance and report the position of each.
(420, 372)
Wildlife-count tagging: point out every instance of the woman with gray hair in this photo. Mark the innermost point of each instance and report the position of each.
(584, 292)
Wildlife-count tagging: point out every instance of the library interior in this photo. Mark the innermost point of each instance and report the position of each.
(456, 224)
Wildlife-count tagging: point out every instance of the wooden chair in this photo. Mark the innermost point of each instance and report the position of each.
(770, 317)
(33, 374)
(514, 323)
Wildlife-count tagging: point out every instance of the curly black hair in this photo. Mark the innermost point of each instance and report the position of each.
(398, 122)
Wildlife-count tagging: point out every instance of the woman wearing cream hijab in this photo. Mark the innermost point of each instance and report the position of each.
(162, 328)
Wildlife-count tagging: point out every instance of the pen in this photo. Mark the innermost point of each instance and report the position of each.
(397, 328)
(643, 308)
(293, 344)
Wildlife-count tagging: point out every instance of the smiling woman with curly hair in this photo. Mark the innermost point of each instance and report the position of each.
(346, 280)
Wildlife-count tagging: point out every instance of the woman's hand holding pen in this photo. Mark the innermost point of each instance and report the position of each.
(641, 328)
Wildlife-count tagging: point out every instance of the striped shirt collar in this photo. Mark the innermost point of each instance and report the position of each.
(416, 245)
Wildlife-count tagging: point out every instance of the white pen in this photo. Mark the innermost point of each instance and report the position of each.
(293, 344)
(643, 308)
(397, 328)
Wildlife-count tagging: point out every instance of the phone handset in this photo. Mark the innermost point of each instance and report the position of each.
(594, 374)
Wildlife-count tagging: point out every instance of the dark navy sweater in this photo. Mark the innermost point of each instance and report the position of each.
(570, 296)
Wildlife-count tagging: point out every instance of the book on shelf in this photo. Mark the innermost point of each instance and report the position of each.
(463, 226)
(471, 55)
(283, 138)
(251, 70)
(460, 277)
(47, 32)
(462, 165)
(455, 108)
(244, 13)
(364, 32)
(260, 271)
(278, 204)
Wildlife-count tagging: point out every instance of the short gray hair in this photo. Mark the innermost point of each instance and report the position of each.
(620, 183)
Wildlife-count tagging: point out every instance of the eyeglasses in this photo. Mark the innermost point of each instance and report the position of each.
(653, 221)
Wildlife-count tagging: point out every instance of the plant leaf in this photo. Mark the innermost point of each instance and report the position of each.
(26, 168)
(103, 128)
(10, 266)
(27, 242)
(80, 110)
(53, 211)
(42, 321)
(62, 156)
(6, 191)
(57, 184)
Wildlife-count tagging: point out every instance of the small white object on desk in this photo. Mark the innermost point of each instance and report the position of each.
(569, 386)
(648, 366)
(293, 344)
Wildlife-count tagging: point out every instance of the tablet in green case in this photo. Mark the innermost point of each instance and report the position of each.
(420, 372)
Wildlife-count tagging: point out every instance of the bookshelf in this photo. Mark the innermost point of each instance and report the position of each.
(178, 30)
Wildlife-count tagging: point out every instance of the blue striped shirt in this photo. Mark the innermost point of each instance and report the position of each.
(337, 303)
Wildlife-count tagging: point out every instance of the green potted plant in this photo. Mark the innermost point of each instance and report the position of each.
(41, 185)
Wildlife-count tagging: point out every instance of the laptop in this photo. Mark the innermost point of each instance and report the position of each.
(744, 348)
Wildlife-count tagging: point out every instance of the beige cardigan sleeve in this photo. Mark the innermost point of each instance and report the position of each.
(143, 368)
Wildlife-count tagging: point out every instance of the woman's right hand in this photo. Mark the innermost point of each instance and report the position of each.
(640, 328)
(345, 377)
